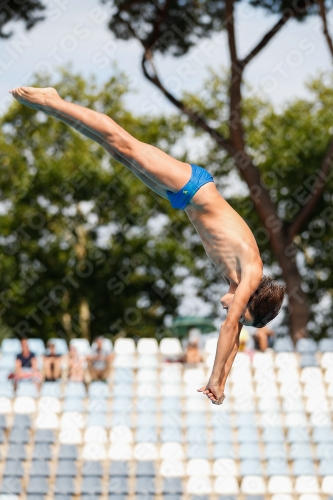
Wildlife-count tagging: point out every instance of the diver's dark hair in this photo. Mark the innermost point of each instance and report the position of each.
(266, 301)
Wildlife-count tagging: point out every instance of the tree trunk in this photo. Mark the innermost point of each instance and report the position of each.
(298, 307)
(84, 318)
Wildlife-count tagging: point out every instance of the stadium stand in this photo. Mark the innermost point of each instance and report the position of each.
(147, 434)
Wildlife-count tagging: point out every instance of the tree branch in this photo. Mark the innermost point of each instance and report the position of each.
(267, 38)
(195, 117)
(317, 191)
(235, 119)
(229, 12)
(322, 10)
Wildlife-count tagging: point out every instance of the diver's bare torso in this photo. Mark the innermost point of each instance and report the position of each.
(227, 239)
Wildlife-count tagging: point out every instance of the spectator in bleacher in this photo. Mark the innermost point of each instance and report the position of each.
(26, 366)
(52, 363)
(76, 364)
(193, 354)
(244, 340)
(99, 361)
(263, 338)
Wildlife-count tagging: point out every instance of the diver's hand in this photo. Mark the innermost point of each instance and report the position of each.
(214, 392)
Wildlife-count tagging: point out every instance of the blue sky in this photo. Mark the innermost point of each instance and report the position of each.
(80, 35)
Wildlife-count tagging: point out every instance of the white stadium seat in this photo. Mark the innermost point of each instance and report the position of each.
(327, 485)
(209, 361)
(36, 346)
(290, 404)
(243, 404)
(49, 404)
(124, 361)
(198, 467)
(148, 390)
(226, 486)
(295, 419)
(265, 389)
(47, 420)
(146, 376)
(268, 404)
(279, 484)
(210, 346)
(170, 390)
(197, 404)
(253, 485)
(194, 376)
(121, 434)
(198, 486)
(24, 405)
(265, 375)
(124, 346)
(225, 467)
(292, 389)
(11, 346)
(145, 451)
(282, 496)
(262, 360)
(329, 391)
(120, 451)
(70, 435)
(72, 419)
(286, 360)
(317, 403)
(312, 375)
(171, 374)
(242, 360)
(240, 374)
(95, 434)
(5, 406)
(306, 484)
(310, 390)
(309, 496)
(320, 419)
(81, 345)
(147, 346)
(172, 451)
(326, 360)
(172, 468)
(270, 419)
(328, 377)
(289, 374)
(170, 347)
(147, 361)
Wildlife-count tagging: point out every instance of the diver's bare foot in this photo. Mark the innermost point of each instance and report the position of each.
(36, 98)
(214, 392)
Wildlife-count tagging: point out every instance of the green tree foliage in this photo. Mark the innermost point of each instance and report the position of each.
(28, 11)
(288, 147)
(86, 248)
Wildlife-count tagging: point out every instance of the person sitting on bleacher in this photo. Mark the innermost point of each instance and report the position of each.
(26, 366)
(193, 354)
(99, 361)
(263, 338)
(52, 363)
(76, 364)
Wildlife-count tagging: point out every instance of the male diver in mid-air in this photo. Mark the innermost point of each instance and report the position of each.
(252, 299)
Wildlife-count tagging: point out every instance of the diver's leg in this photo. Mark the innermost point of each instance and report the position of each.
(163, 170)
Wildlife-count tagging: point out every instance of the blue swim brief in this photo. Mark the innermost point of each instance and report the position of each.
(199, 177)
